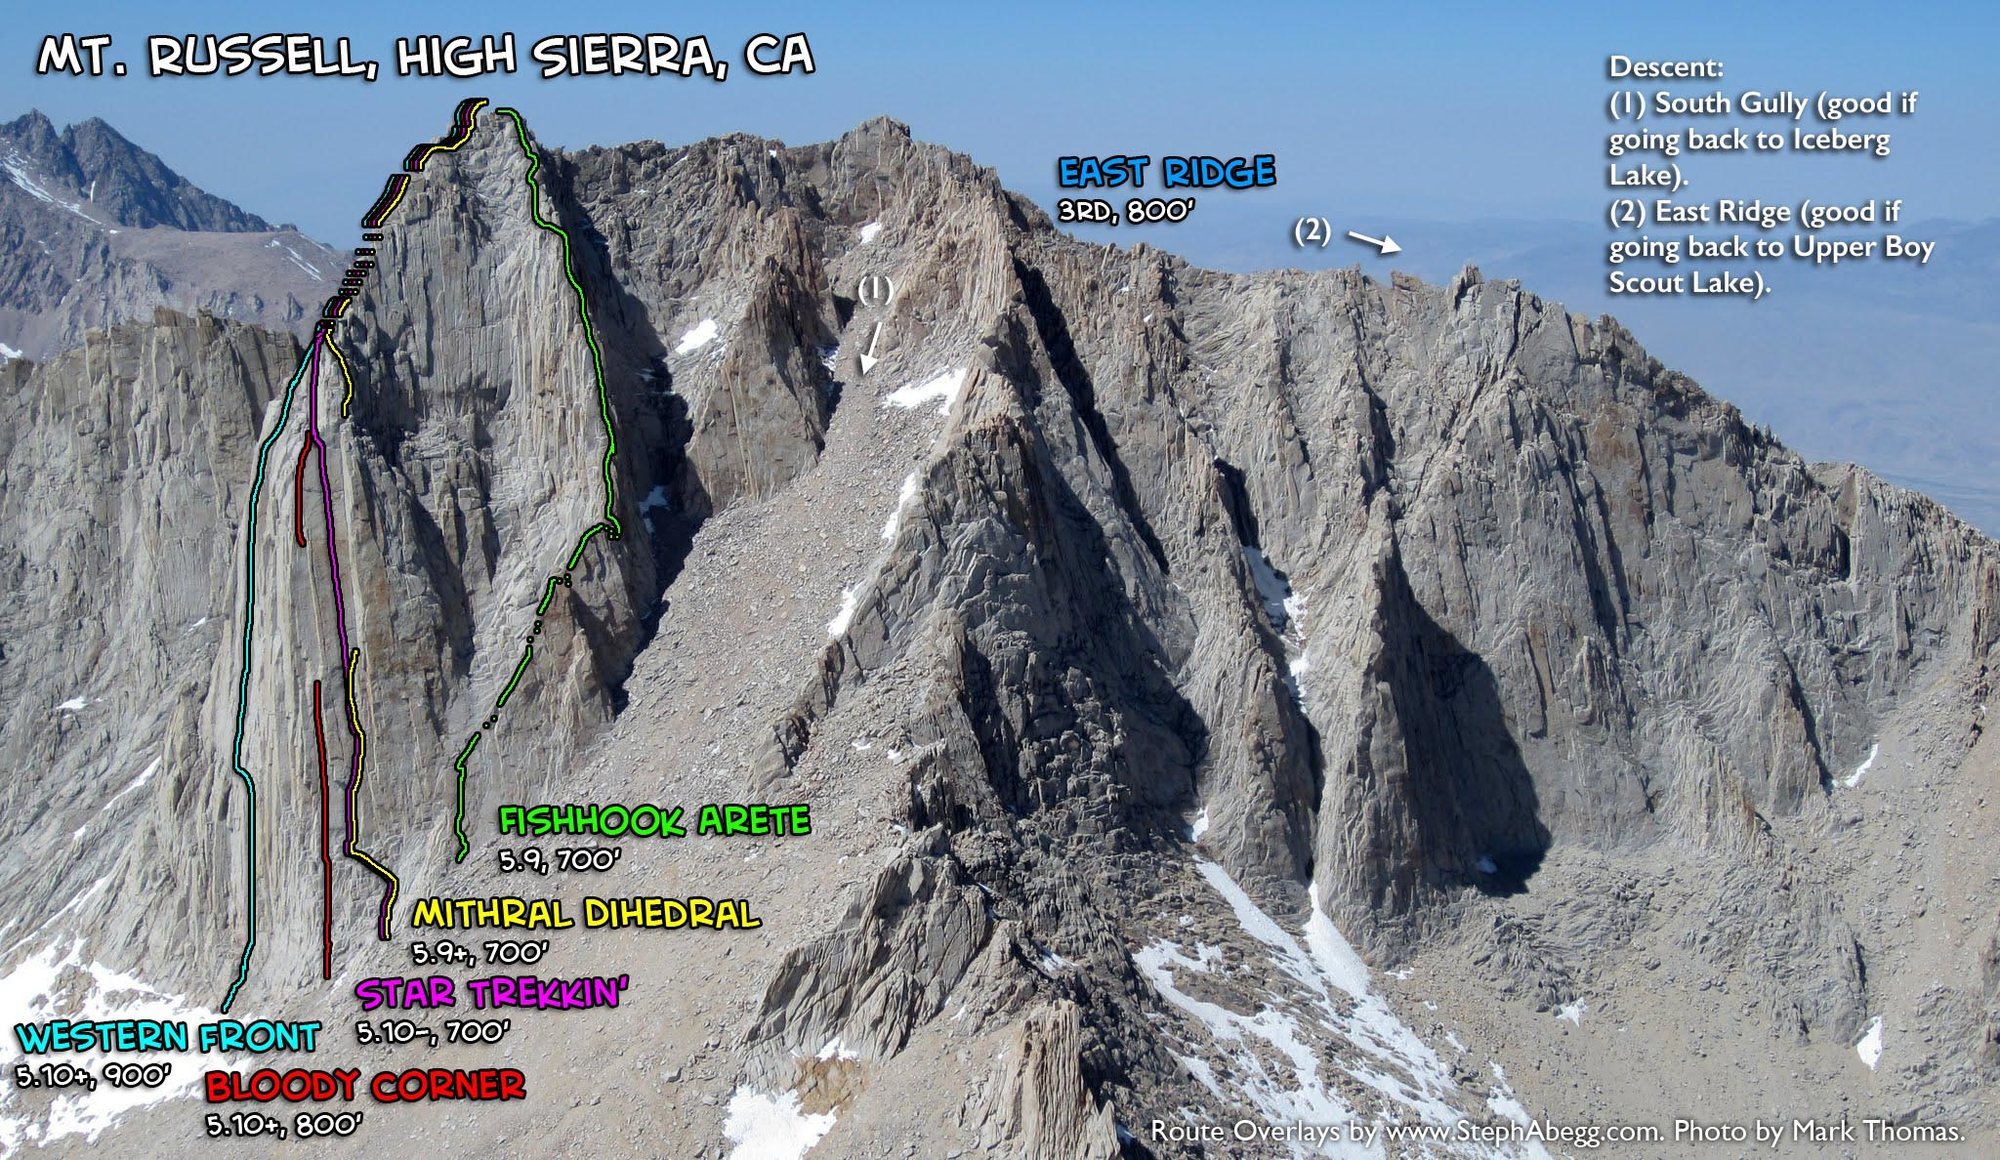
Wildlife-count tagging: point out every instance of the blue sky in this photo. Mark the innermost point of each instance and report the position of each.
(1451, 112)
(1476, 131)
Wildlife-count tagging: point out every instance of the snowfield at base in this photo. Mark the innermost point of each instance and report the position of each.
(766, 1127)
(703, 333)
(870, 232)
(29, 994)
(1870, 1047)
(8, 353)
(942, 389)
(1854, 778)
(1273, 1065)
(1501, 1099)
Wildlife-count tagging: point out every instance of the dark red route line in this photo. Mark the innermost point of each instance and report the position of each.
(325, 860)
(299, 494)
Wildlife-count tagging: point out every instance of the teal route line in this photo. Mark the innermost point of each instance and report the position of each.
(243, 686)
(608, 525)
(462, 124)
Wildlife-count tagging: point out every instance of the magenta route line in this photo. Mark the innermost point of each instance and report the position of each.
(355, 757)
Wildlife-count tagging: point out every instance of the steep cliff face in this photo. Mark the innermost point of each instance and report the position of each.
(1149, 639)
(124, 476)
(463, 430)
(1399, 591)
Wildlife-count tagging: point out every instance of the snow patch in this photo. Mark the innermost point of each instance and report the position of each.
(1283, 608)
(1200, 826)
(73, 705)
(145, 776)
(1486, 865)
(942, 390)
(1276, 592)
(8, 353)
(1335, 956)
(1870, 1047)
(870, 232)
(1572, 1012)
(16, 167)
(1854, 779)
(701, 335)
(903, 500)
(835, 1049)
(849, 599)
(768, 1127)
(1501, 1099)
(656, 498)
(1299, 1097)
(302, 264)
(58, 983)
(1203, 1074)
(1270, 1064)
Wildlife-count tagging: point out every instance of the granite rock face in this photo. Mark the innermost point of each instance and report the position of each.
(1229, 641)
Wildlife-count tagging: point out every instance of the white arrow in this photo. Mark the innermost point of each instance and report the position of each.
(869, 360)
(1385, 243)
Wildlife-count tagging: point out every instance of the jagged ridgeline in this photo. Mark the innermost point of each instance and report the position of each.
(1188, 631)
(368, 598)
(95, 230)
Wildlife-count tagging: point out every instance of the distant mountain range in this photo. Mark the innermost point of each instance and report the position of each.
(95, 230)
(1889, 365)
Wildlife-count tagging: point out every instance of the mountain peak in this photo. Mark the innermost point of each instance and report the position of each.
(119, 180)
(32, 119)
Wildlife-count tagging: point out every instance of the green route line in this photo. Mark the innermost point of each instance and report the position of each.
(243, 686)
(610, 522)
(548, 597)
(583, 543)
(522, 667)
(458, 822)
